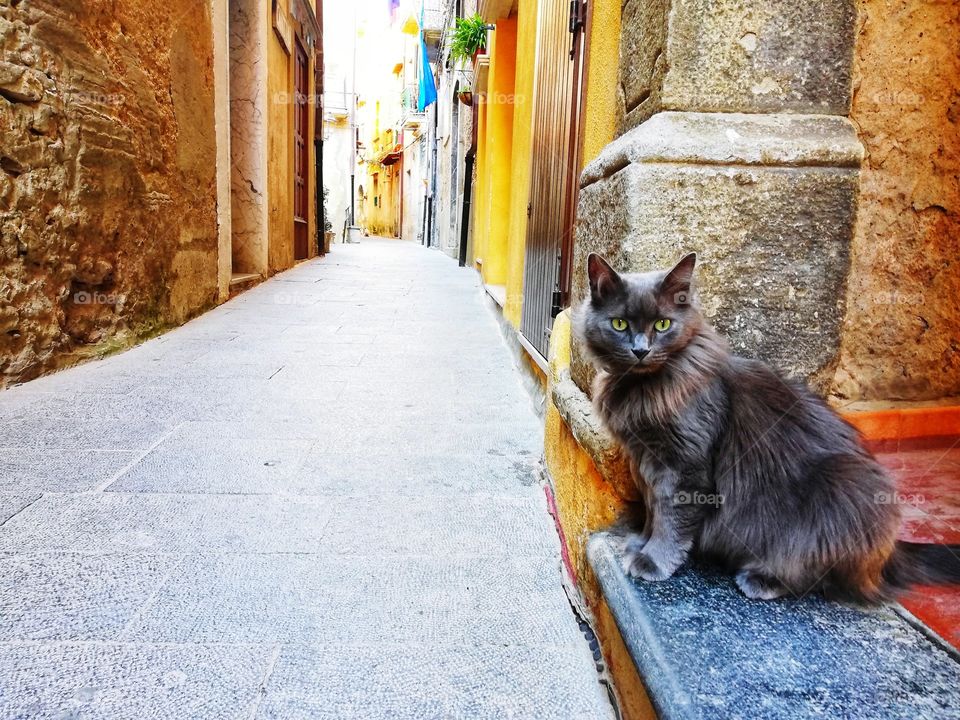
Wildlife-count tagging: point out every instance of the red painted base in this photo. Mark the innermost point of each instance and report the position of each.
(928, 475)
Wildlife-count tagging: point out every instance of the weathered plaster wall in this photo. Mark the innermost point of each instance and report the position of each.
(443, 191)
(248, 129)
(221, 73)
(107, 175)
(455, 133)
(414, 169)
(901, 334)
(338, 102)
(337, 159)
(456, 146)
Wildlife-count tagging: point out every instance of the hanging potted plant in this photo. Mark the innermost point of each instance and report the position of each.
(469, 38)
(466, 96)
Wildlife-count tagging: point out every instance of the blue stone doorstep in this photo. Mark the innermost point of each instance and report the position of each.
(705, 651)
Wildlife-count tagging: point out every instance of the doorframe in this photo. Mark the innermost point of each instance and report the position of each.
(301, 156)
(578, 108)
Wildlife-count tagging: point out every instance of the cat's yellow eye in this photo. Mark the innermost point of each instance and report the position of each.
(662, 325)
(619, 324)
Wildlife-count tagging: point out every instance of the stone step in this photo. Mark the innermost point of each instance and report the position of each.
(703, 650)
(242, 281)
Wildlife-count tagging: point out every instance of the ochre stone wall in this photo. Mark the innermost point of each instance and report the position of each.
(901, 335)
(107, 175)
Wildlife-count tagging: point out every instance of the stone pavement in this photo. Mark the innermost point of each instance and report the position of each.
(318, 500)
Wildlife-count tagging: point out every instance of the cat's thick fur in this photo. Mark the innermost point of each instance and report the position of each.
(735, 462)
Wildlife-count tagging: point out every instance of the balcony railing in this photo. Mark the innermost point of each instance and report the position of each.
(409, 96)
(410, 117)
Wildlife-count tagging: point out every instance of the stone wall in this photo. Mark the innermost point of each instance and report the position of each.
(901, 335)
(107, 175)
(750, 56)
(735, 144)
(771, 269)
(248, 130)
(894, 68)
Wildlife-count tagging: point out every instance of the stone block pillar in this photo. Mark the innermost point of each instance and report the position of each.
(736, 145)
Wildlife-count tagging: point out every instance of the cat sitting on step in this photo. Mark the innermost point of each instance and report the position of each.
(735, 462)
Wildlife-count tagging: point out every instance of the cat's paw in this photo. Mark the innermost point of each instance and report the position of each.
(645, 566)
(655, 560)
(757, 586)
(627, 543)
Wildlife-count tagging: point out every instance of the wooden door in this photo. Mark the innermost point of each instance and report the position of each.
(301, 202)
(554, 166)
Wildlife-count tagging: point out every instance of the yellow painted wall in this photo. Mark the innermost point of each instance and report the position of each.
(521, 153)
(381, 186)
(279, 154)
(383, 216)
(498, 136)
(602, 110)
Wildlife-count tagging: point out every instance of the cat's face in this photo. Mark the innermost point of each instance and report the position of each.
(637, 322)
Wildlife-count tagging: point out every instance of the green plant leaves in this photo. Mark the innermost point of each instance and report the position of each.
(469, 36)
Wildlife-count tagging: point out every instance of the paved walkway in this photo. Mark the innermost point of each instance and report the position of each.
(317, 501)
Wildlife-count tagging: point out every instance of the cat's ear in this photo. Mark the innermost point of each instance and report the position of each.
(604, 280)
(676, 284)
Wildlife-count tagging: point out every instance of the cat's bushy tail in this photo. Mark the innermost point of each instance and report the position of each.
(922, 564)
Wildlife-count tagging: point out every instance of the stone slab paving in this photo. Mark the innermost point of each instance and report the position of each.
(318, 500)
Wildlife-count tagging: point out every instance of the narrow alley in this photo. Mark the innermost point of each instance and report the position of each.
(303, 307)
(319, 499)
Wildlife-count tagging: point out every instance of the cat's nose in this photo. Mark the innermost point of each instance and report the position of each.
(641, 354)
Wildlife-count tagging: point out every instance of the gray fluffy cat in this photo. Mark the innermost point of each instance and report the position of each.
(735, 462)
